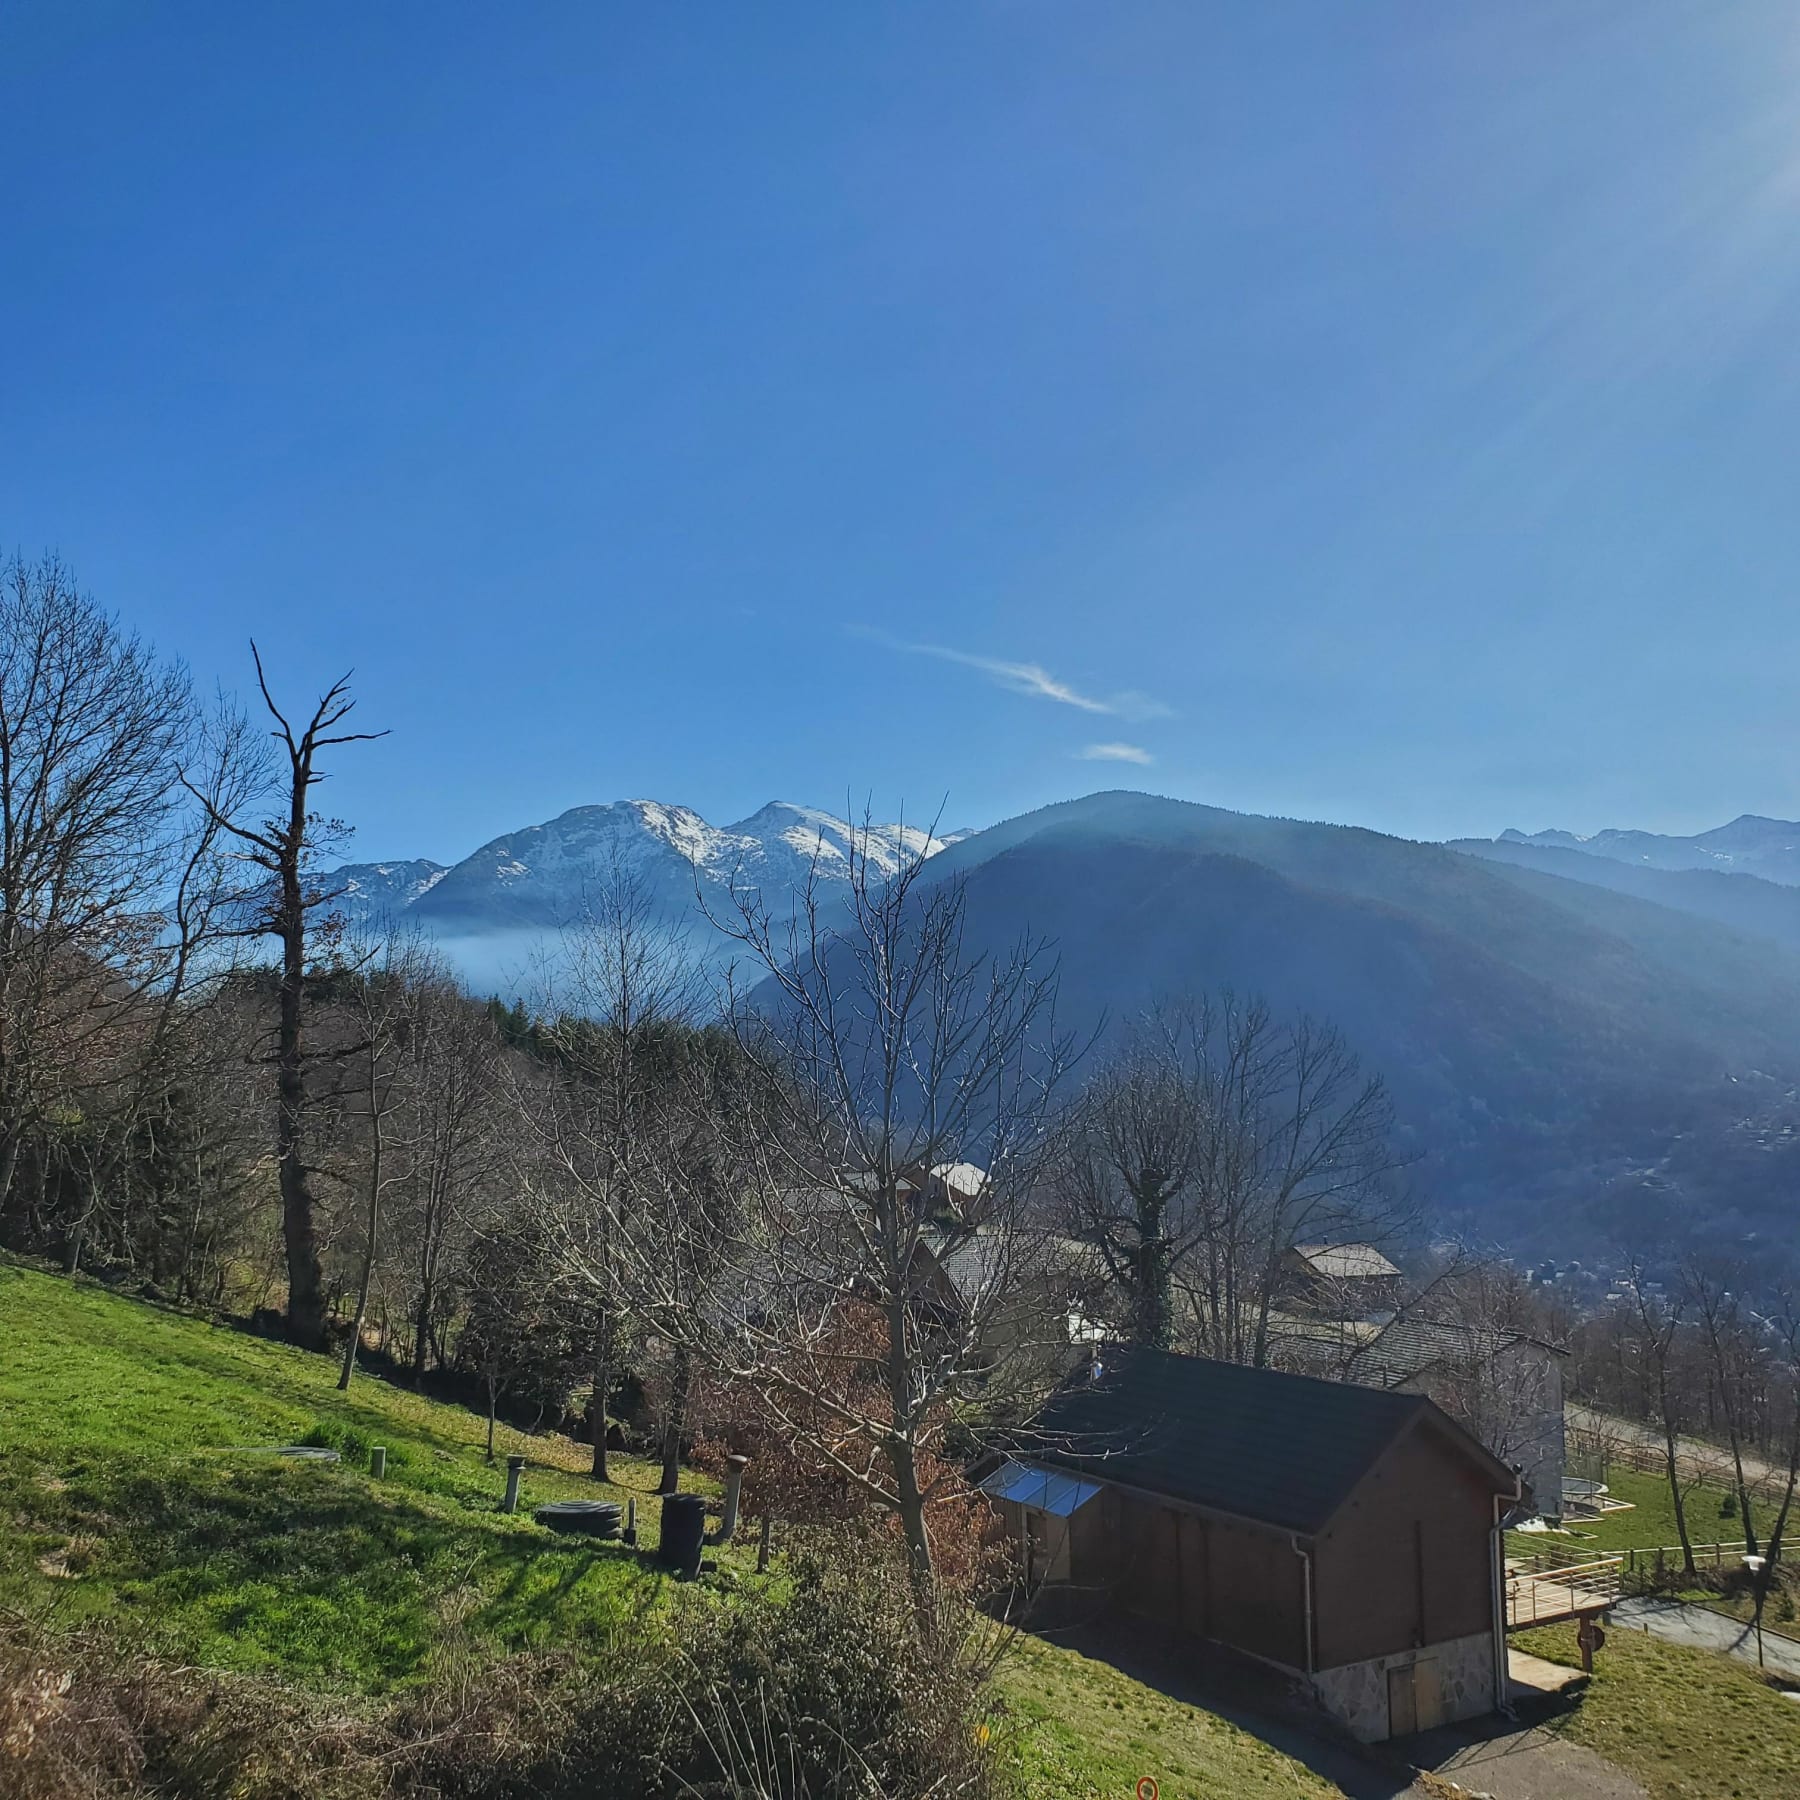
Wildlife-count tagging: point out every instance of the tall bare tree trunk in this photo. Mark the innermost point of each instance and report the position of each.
(1672, 1466)
(299, 1224)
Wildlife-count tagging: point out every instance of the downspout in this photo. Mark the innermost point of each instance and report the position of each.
(1306, 1576)
(1497, 1580)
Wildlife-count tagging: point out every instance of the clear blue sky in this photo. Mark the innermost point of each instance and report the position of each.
(1381, 412)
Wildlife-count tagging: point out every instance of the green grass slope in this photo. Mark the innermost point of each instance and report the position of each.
(136, 1479)
(136, 1484)
(1083, 1730)
(1689, 1725)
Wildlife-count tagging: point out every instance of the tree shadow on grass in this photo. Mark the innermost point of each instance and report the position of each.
(297, 1568)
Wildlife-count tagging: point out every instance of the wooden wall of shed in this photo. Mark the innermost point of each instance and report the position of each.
(1406, 1561)
(1195, 1575)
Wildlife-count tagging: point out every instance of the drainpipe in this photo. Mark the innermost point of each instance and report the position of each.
(734, 1479)
(1497, 1580)
(1306, 1575)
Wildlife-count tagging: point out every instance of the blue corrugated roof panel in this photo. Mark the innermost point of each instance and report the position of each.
(1044, 1490)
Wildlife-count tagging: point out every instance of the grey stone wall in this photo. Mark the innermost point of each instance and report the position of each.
(1357, 1693)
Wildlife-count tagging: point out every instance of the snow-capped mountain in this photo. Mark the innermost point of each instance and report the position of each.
(385, 887)
(538, 877)
(1749, 845)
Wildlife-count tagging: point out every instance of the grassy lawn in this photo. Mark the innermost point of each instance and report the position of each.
(1649, 1523)
(1689, 1725)
(1079, 1730)
(134, 1475)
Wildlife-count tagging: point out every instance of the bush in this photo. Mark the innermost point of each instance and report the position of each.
(833, 1691)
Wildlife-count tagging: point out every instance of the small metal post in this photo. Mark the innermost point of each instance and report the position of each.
(378, 1461)
(762, 1548)
(514, 1466)
(630, 1532)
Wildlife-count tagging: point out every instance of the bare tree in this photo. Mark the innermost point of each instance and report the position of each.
(464, 1140)
(399, 1001)
(793, 1249)
(1784, 1326)
(1736, 1361)
(1131, 1177)
(285, 848)
(1659, 1320)
(618, 1004)
(1216, 1139)
(96, 845)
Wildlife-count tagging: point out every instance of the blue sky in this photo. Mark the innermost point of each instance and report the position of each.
(1383, 412)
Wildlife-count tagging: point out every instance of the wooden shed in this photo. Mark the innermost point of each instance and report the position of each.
(1348, 1535)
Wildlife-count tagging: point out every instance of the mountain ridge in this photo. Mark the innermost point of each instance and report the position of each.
(1750, 844)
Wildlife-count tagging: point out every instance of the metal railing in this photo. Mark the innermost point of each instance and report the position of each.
(1540, 1590)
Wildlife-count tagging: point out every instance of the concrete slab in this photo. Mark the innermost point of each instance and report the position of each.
(1532, 1678)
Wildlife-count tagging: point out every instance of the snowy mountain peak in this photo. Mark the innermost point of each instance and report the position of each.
(539, 875)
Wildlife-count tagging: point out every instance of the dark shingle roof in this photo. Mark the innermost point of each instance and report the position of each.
(1285, 1449)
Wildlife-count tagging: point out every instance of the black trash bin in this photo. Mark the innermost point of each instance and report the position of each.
(683, 1533)
(591, 1518)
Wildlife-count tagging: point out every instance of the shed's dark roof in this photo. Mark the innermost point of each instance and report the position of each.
(1284, 1449)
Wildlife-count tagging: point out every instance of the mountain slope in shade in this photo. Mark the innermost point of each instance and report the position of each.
(1746, 903)
(537, 877)
(1749, 845)
(1566, 1060)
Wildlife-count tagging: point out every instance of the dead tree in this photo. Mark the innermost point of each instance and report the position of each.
(285, 848)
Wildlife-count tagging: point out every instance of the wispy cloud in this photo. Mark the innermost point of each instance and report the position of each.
(1131, 753)
(1031, 679)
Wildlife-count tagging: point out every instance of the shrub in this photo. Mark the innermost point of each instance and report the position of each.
(835, 1690)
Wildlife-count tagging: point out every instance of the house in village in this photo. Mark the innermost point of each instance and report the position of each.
(1347, 1535)
(1505, 1386)
(1338, 1281)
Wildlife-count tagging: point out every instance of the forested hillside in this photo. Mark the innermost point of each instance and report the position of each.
(1563, 1058)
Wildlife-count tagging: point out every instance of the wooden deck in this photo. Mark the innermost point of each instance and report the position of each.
(1542, 1590)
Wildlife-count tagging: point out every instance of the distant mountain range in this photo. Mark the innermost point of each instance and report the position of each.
(1579, 1043)
(1749, 845)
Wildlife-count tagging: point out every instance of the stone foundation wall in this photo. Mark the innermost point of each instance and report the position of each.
(1357, 1693)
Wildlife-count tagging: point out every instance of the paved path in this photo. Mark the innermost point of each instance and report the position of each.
(1520, 1763)
(1679, 1623)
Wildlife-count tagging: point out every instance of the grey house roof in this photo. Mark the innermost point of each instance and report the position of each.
(1346, 1262)
(1286, 1450)
(1409, 1347)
